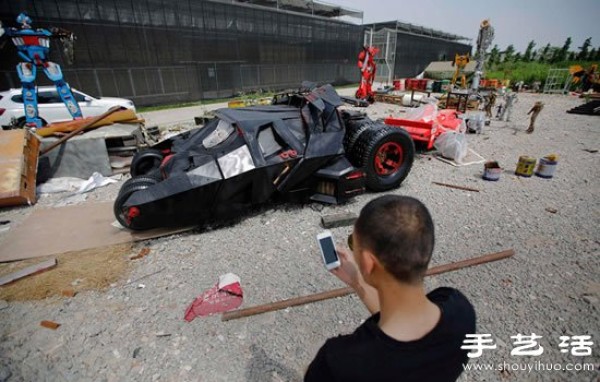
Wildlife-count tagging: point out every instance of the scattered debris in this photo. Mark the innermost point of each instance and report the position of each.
(338, 220)
(592, 151)
(162, 334)
(136, 352)
(224, 296)
(76, 185)
(457, 187)
(31, 270)
(50, 324)
(551, 210)
(472, 157)
(68, 293)
(141, 286)
(143, 253)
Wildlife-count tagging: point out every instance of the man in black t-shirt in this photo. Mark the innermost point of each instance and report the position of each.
(411, 336)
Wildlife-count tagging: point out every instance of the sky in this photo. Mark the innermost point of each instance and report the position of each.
(515, 21)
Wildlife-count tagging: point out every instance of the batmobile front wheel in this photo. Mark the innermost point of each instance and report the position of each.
(126, 215)
(386, 154)
(146, 161)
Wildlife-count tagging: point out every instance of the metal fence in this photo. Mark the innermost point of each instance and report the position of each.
(160, 51)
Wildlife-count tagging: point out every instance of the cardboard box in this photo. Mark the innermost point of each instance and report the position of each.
(19, 153)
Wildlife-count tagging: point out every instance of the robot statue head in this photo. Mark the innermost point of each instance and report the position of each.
(24, 20)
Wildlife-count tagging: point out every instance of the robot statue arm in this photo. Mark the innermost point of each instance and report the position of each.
(61, 33)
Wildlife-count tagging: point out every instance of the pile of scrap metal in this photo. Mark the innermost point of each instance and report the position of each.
(426, 123)
(301, 148)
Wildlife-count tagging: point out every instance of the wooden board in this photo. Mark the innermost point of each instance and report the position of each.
(33, 269)
(338, 220)
(19, 154)
(51, 231)
(122, 116)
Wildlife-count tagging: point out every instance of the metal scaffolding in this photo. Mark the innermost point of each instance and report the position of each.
(384, 40)
(558, 81)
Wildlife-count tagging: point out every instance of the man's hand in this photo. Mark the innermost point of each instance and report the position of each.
(349, 273)
(348, 270)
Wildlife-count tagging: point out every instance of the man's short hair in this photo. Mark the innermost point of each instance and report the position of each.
(399, 232)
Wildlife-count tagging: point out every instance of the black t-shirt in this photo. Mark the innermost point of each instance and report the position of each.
(369, 354)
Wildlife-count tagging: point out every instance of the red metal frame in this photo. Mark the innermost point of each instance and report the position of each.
(419, 131)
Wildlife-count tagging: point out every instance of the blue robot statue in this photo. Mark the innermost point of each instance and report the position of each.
(33, 47)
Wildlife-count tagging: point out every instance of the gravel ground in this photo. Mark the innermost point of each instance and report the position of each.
(551, 287)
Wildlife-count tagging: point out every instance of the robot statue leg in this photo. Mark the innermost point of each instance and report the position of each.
(27, 74)
(54, 73)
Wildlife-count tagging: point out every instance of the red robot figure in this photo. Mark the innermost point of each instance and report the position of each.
(367, 66)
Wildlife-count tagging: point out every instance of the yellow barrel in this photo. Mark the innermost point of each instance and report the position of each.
(525, 166)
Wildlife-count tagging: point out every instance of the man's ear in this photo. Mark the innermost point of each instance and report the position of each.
(369, 262)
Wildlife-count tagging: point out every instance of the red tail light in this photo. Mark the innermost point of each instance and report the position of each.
(2, 111)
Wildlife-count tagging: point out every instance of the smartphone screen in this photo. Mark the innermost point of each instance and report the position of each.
(328, 250)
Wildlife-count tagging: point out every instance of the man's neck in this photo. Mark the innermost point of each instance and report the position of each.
(406, 312)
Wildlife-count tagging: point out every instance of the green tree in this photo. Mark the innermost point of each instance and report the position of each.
(583, 50)
(509, 53)
(572, 56)
(494, 56)
(517, 57)
(562, 53)
(545, 53)
(529, 51)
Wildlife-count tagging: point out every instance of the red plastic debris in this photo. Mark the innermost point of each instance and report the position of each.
(226, 295)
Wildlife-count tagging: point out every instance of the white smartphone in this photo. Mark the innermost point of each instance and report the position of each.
(328, 251)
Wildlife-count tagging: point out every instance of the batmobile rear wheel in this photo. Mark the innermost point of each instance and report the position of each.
(386, 154)
(146, 161)
(126, 215)
(354, 129)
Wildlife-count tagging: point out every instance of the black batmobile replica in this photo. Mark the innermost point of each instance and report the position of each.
(298, 149)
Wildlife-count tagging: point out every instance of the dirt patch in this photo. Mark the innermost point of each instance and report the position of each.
(92, 269)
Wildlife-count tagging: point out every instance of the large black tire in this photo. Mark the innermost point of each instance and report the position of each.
(386, 154)
(138, 181)
(129, 188)
(354, 129)
(145, 162)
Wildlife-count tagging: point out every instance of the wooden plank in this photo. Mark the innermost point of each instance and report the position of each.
(19, 152)
(122, 116)
(338, 220)
(31, 270)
